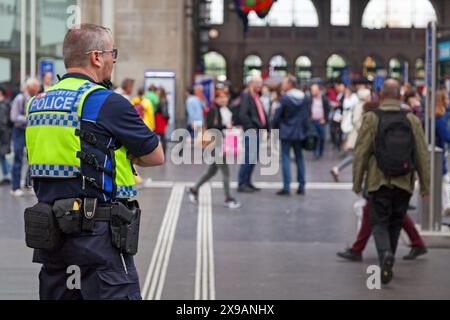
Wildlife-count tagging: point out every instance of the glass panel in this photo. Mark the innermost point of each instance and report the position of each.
(398, 14)
(286, 13)
(216, 9)
(340, 12)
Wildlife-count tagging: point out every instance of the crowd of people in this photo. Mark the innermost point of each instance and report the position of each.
(355, 118)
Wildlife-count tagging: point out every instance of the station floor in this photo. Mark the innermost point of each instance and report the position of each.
(273, 248)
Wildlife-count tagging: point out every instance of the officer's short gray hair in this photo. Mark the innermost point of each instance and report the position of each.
(82, 39)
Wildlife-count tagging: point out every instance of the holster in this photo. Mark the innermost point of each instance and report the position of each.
(41, 230)
(125, 223)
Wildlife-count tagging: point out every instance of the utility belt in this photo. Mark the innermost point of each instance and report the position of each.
(46, 226)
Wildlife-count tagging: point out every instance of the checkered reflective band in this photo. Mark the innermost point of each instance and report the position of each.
(53, 120)
(81, 91)
(54, 171)
(126, 192)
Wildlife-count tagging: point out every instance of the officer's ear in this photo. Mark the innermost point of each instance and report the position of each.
(95, 59)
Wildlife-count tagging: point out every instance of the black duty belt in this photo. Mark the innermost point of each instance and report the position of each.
(103, 213)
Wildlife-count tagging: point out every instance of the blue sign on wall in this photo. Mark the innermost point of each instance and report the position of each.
(444, 51)
(46, 66)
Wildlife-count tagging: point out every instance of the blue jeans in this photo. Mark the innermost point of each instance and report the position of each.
(5, 166)
(19, 146)
(321, 130)
(246, 170)
(286, 147)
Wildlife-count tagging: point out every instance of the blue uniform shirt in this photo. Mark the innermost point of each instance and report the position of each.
(115, 122)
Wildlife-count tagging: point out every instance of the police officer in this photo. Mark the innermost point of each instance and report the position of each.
(83, 140)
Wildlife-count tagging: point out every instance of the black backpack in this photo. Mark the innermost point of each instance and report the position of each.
(395, 145)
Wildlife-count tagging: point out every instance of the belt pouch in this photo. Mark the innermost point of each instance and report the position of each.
(41, 230)
(68, 215)
(90, 206)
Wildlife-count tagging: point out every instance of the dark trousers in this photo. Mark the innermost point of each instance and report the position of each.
(105, 273)
(388, 208)
(251, 158)
(19, 147)
(336, 134)
(365, 232)
(286, 147)
(321, 130)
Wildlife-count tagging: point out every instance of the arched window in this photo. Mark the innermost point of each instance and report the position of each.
(420, 69)
(278, 66)
(303, 68)
(370, 68)
(335, 66)
(340, 12)
(252, 66)
(287, 13)
(215, 65)
(396, 68)
(398, 14)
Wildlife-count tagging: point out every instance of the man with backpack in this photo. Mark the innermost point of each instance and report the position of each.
(390, 148)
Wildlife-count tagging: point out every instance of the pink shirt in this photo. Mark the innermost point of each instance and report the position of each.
(318, 113)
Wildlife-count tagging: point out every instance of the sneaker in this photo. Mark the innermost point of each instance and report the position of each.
(17, 193)
(386, 268)
(283, 193)
(335, 173)
(350, 255)
(415, 252)
(232, 204)
(193, 196)
(245, 189)
(5, 182)
(254, 188)
(301, 192)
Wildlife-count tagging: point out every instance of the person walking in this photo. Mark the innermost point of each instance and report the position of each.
(5, 137)
(251, 117)
(320, 112)
(194, 109)
(292, 121)
(19, 119)
(218, 118)
(418, 247)
(337, 111)
(364, 96)
(82, 168)
(390, 147)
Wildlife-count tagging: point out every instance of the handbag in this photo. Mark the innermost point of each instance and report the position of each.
(312, 137)
(231, 143)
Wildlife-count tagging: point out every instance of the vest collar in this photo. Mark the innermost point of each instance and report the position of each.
(77, 76)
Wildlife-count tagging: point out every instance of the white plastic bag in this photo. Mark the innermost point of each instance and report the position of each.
(358, 209)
